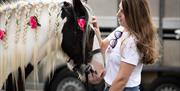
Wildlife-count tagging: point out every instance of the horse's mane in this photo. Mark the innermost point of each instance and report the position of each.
(75, 41)
(83, 9)
(80, 10)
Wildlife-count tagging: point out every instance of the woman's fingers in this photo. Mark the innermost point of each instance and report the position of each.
(98, 72)
(94, 78)
(94, 22)
(103, 73)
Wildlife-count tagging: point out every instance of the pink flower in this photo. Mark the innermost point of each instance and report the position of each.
(2, 34)
(33, 22)
(81, 23)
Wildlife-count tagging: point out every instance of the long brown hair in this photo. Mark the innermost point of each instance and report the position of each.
(139, 21)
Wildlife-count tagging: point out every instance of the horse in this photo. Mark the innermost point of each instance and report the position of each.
(32, 31)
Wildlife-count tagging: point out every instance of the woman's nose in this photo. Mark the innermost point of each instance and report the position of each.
(118, 14)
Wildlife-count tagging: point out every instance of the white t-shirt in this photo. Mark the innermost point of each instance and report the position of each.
(129, 54)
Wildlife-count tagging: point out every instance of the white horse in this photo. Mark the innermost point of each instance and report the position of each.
(31, 31)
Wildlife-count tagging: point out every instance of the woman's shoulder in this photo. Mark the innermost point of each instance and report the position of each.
(130, 39)
(120, 28)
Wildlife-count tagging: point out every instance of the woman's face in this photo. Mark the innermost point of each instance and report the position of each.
(121, 17)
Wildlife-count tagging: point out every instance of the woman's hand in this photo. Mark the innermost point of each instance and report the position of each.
(94, 23)
(98, 74)
(103, 43)
(95, 27)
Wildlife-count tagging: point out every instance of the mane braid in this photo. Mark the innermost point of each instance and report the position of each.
(27, 10)
(36, 47)
(49, 47)
(5, 46)
(16, 61)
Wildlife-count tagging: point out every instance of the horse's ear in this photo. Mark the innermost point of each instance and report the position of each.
(80, 10)
(77, 4)
(67, 10)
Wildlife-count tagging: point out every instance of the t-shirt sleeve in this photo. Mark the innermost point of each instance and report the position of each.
(129, 52)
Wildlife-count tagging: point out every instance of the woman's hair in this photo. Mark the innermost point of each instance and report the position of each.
(139, 21)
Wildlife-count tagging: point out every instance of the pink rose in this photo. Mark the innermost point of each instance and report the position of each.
(81, 23)
(2, 34)
(33, 22)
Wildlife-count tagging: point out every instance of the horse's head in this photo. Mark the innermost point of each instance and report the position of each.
(75, 31)
(78, 36)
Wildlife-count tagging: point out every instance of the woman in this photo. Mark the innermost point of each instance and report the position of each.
(129, 46)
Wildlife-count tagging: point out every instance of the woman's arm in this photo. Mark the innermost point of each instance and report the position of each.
(103, 42)
(122, 77)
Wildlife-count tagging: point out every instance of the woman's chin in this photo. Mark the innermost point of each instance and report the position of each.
(120, 23)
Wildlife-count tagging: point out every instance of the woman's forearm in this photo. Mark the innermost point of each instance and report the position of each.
(118, 85)
(103, 43)
(98, 35)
